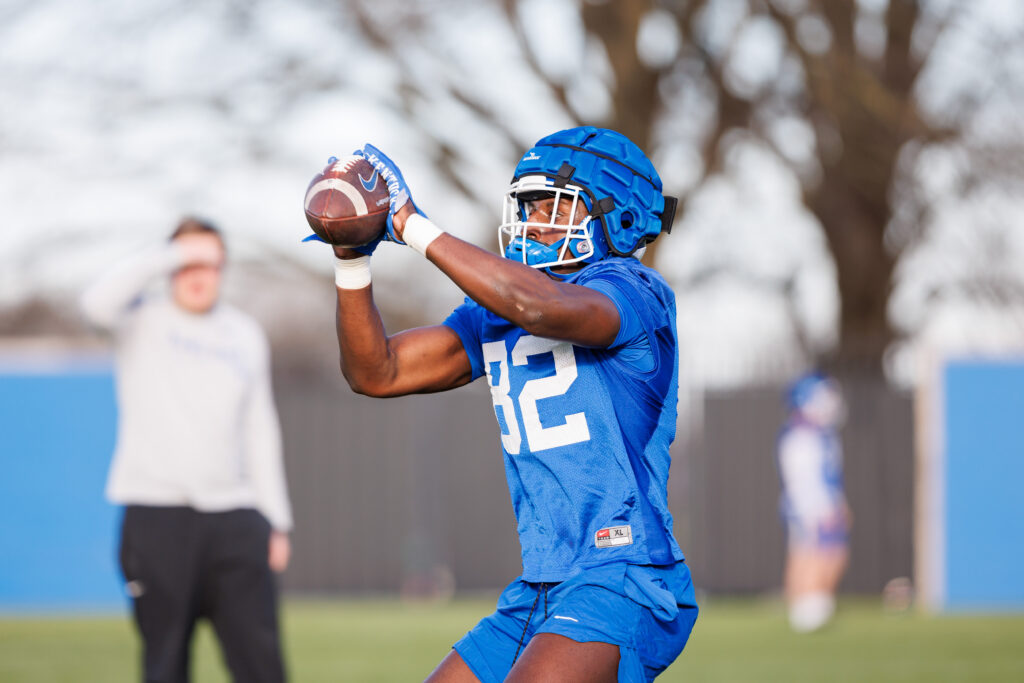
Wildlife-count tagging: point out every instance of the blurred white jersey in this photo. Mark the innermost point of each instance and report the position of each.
(810, 468)
(197, 424)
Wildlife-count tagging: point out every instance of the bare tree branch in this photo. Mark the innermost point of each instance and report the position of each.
(558, 90)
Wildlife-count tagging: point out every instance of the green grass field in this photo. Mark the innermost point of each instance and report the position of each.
(385, 640)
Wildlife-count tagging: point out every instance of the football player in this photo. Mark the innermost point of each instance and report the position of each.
(577, 340)
(813, 504)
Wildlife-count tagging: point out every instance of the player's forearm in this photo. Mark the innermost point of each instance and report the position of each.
(267, 470)
(264, 457)
(112, 293)
(367, 361)
(522, 295)
(516, 292)
(512, 290)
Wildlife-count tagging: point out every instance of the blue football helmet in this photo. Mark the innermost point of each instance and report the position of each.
(818, 398)
(598, 171)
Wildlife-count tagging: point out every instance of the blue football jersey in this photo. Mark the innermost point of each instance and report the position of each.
(586, 431)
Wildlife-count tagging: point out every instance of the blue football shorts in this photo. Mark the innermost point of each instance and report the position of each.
(648, 611)
(834, 533)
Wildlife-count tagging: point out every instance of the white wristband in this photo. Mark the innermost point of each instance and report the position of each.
(420, 232)
(353, 273)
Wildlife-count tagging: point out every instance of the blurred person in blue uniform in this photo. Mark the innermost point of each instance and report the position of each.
(813, 503)
(577, 341)
(198, 463)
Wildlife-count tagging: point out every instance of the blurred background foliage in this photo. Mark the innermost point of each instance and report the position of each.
(849, 170)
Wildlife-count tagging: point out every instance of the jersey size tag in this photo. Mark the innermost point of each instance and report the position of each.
(614, 536)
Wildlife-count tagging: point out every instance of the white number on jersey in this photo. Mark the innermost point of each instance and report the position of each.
(494, 352)
(573, 430)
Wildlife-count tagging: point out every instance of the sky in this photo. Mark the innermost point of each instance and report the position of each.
(117, 117)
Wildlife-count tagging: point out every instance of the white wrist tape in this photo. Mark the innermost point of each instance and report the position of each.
(353, 273)
(420, 232)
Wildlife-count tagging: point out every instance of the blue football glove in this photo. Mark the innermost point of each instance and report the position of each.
(366, 249)
(397, 187)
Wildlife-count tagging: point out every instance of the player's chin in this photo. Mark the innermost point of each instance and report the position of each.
(564, 270)
(197, 303)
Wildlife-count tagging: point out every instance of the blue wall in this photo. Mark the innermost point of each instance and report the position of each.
(984, 482)
(58, 534)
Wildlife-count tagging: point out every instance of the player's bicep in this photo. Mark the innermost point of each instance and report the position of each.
(582, 315)
(429, 359)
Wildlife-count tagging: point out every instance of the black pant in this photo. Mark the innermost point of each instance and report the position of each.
(180, 565)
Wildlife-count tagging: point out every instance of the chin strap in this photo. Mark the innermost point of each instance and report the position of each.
(558, 276)
(538, 253)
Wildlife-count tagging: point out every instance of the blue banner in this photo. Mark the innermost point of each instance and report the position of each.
(58, 534)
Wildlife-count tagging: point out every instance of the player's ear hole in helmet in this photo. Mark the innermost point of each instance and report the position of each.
(606, 172)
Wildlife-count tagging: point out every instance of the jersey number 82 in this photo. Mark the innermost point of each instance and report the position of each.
(538, 437)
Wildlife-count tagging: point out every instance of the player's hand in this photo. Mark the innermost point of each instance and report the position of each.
(837, 521)
(199, 249)
(279, 551)
(401, 216)
(347, 253)
(397, 188)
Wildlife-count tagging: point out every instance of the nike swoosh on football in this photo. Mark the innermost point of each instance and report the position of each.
(368, 185)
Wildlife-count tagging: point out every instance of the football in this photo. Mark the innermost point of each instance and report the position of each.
(347, 203)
